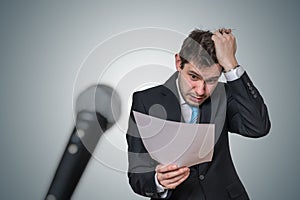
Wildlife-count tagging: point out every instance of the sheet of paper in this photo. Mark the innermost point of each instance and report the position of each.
(178, 143)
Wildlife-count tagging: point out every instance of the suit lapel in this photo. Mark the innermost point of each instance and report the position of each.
(205, 112)
(170, 100)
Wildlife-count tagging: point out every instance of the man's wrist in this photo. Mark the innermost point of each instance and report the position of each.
(231, 68)
(229, 64)
(234, 73)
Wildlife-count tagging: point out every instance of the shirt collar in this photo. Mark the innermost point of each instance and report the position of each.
(182, 101)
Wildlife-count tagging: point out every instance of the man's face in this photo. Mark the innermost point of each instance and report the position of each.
(196, 84)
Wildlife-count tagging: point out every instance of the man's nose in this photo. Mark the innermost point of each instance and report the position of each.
(200, 87)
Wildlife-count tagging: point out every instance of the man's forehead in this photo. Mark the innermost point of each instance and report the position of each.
(214, 70)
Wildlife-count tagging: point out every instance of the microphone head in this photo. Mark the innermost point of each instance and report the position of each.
(100, 99)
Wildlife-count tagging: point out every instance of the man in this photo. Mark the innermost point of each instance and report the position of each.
(235, 106)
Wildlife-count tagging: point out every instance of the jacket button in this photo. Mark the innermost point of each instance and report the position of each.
(201, 177)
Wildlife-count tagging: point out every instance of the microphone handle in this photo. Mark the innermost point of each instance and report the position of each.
(76, 156)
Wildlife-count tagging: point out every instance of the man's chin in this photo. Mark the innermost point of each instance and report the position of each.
(194, 104)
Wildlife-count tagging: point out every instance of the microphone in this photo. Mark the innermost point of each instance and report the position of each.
(97, 108)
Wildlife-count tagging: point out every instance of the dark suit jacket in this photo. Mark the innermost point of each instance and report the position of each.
(235, 107)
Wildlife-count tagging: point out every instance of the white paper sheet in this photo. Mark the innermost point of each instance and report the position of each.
(178, 143)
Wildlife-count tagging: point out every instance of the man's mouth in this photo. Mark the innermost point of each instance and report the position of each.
(197, 99)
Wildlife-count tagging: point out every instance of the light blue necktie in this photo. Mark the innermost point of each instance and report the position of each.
(195, 114)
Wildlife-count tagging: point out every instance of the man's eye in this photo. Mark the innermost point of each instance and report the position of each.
(193, 77)
(211, 81)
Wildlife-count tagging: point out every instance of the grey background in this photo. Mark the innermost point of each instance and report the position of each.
(44, 43)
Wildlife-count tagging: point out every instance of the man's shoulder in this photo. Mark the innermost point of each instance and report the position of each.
(151, 91)
(168, 87)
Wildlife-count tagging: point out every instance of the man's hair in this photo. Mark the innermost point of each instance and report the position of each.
(198, 48)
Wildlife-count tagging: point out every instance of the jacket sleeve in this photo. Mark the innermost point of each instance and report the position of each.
(141, 167)
(247, 113)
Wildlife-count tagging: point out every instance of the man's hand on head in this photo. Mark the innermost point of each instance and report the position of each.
(225, 45)
(170, 176)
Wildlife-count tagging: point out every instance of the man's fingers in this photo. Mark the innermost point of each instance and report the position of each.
(224, 30)
(176, 178)
(227, 31)
(172, 174)
(173, 184)
(227, 36)
(166, 168)
(222, 37)
(168, 184)
(218, 34)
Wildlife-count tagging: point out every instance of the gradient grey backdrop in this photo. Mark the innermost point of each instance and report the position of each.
(44, 43)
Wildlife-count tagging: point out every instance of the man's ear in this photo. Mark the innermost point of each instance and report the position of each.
(178, 62)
